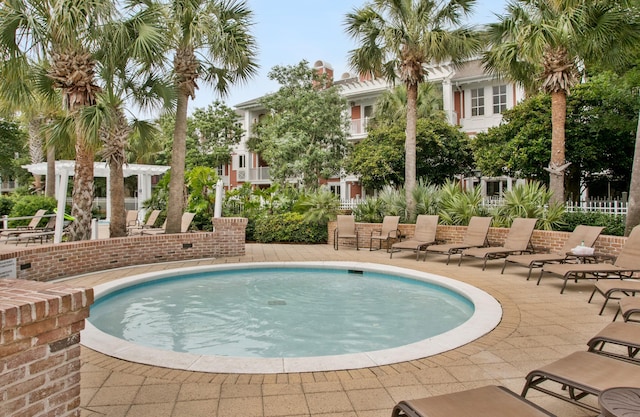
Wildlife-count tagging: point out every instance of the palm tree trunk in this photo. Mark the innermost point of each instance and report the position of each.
(410, 148)
(558, 119)
(82, 197)
(633, 213)
(175, 204)
(50, 187)
(117, 222)
(35, 149)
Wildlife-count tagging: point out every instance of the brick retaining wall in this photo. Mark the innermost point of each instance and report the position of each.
(52, 262)
(542, 240)
(40, 347)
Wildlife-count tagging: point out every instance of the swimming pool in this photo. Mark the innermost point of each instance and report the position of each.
(278, 299)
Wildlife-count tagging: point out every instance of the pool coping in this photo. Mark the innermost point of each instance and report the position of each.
(487, 315)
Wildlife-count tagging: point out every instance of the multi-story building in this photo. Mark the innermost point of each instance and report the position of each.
(472, 99)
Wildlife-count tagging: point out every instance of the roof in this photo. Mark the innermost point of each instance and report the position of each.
(100, 169)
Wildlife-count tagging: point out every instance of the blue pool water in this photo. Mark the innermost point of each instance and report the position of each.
(280, 312)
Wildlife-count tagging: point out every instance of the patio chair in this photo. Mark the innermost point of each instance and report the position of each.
(627, 263)
(388, 233)
(132, 218)
(423, 236)
(187, 218)
(517, 242)
(345, 229)
(488, 401)
(581, 374)
(627, 308)
(581, 235)
(625, 335)
(33, 225)
(41, 235)
(149, 224)
(474, 237)
(608, 287)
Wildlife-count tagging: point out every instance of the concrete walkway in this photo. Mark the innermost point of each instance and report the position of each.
(539, 325)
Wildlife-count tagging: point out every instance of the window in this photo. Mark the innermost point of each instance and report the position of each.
(335, 189)
(477, 102)
(499, 99)
(220, 170)
(242, 161)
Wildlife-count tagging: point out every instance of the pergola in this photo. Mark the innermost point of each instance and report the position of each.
(65, 169)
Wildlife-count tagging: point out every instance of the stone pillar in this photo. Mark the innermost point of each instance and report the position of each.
(40, 347)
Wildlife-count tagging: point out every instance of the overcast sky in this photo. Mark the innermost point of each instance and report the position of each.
(289, 31)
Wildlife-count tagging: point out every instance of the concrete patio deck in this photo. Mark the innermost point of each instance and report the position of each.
(539, 325)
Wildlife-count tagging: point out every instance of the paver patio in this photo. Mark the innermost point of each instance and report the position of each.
(538, 326)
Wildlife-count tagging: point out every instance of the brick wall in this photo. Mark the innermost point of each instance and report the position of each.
(542, 240)
(39, 347)
(52, 262)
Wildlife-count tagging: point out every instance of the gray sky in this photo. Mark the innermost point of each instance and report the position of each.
(289, 31)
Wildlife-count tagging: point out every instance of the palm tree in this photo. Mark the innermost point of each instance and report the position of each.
(544, 44)
(62, 34)
(392, 104)
(397, 39)
(135, 48)
(211, 41)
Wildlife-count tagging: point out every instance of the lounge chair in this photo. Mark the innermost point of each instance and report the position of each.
(33, 225)
(488, 401)
(345, 229)
(581, 374)
(627, 308)
(149, 224)
(608, 287)
(627, 262)
(388, 232)
(423, 236)
(474, 237)
(517, 242)
(625, 335)
(40, 235)
(581, 235)
(187, 218)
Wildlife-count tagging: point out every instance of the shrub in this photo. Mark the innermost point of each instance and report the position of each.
(6, 204)
(289, 227)
(28, 206)
(613, 224)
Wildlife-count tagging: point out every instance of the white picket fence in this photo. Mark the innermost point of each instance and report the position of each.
(603, 206)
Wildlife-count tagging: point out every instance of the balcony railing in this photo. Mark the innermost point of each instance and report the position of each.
(359, 126)
(259, 174)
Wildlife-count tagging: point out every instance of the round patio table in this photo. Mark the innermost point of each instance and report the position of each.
(619, 402)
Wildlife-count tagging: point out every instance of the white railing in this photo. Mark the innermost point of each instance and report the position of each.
(602, 206)
(259, 174)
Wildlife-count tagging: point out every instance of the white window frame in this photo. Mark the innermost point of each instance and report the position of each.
(499, 98)
(477, 102)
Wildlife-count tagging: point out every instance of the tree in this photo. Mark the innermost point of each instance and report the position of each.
(397, 39)
(135, 46)
(442, 151)
(62, 36)
(599, 132)
(211, 135)
(303, 134)
(211, 41)
(12, 141)
(544, 43)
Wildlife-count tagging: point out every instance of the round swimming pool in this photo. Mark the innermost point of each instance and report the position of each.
(285, 317)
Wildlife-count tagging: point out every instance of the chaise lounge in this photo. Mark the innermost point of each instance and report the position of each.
(474, 237)
(488, 401)
(423, 236)
(608, 287)
(627, 263)
(517, 242)
(581, 235)
(581, 374)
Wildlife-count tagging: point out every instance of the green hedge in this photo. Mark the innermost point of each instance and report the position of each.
(28, 206)
(288, 227)
(613, 224)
